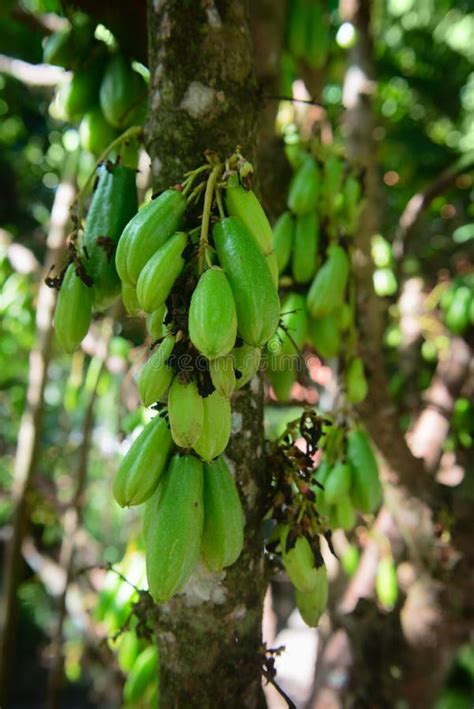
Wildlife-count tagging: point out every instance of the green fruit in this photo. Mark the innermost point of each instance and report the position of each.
(345, 514)
(386, 585)
(366, 491)
(156, 376)
(73, 312)
(331, 185)
(246, 363)
(324, 335)
(285, 345)
(143, 465)
(352, 193)
(338, 483)
(223, 533)
(113, 204)
(457, 317)
(283, 236)
(345, 317)
(350, 559)
(282, 383)
(95, 133)
(150, 508)
(326, 293)
(255, 295)
(305, 248)
(312, 604)
(149, 229)
(317, 36)
(212, 315)
(129, 299)
(299, 562)
(143, 673)
(186, 413)
(304, 189)
(356, 383)
(244, 205)
(59, 48)
(160, 273)
(217, 425)
(173, 542)
(128, 646)
(123, 94)
(223, 375)
(155, 325)
(80, 94)
(298, 19)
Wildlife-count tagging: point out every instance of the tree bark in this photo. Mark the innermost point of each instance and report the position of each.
(203, 96)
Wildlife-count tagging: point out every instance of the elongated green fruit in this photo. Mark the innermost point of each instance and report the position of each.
(223, 533)
(345, 514)
(324, 335)
(283, 236)
(298, 18)
(143, 673)
(143, 465)
(113, 205)
(80, 94)
(73, 312)
(147, 232)
(356, 383)
(326, 293)
(366, 491)
(217, 425)
(304, 190)
(122, 93)
(285, 345)
(331, 186)
(352, 191)
(282, 382)
(128, 646)
(305, 248)
(299, 562)
(317, 36)
(386, 585)
(154, 323)
(186, 413)
(312, 604)
(95, 133)
(174, 536)
(255, 295)
(338, 483)
(212, 315)
(223, 374)
(150, 508)
(246, 363)
(158, 276)
(129, 298)
(244, 204)
(156, 376)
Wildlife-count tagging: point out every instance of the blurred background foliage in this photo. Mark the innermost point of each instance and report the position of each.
(424, 52)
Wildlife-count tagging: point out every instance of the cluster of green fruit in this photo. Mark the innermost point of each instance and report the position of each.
(311, 242)
(349, 478)
(127, 637)
(212, 304)
(90, 280)
(457, 304)
(104, 93)
(308, 501)
(308, 38)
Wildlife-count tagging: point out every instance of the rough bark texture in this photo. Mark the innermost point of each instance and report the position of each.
(203, 96)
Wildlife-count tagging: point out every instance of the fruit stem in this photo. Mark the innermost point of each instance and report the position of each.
(206, 214)
(190, 177)
(220, 206)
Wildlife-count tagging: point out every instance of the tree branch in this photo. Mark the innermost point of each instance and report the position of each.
(32, 74)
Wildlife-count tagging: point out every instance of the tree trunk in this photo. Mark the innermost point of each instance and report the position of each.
(203, 97)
